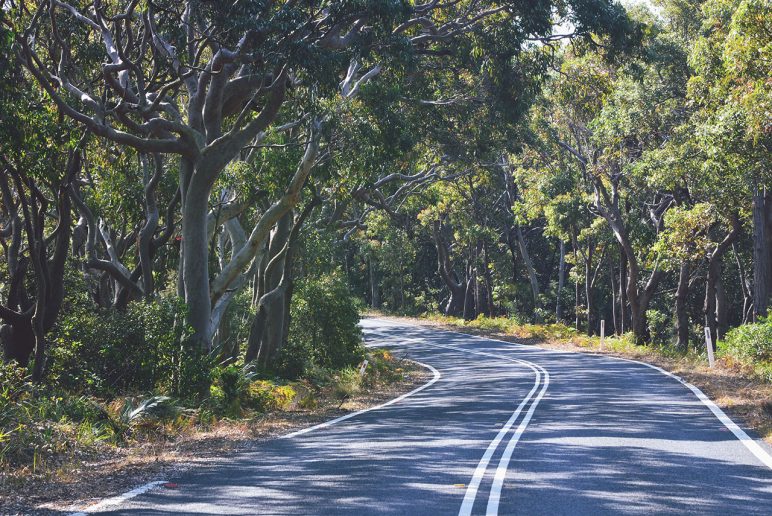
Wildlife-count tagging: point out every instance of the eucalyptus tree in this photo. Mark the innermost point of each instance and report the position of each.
(733, 94)
(40, 157)
(119, 234)
(203, 80)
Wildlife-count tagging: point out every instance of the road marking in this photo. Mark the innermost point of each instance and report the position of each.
(750, 443)
(747, 441)
(117, 500)
(501, 471)
(377, 407)
(479, 473)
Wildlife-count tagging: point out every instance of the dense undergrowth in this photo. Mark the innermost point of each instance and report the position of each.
(39, 426)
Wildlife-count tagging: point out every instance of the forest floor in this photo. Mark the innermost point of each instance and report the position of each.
(85, 476)
(732, 386)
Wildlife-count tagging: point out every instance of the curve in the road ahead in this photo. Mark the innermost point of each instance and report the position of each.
(542, 378)
(725, 420)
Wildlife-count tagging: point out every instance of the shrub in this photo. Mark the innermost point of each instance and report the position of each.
(660, 329)
(347, 382)
(266, 396)
(382, 367)
(752, 345)
(324, 327)
(107, 351)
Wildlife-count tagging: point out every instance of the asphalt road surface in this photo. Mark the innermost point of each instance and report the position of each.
(501, 429)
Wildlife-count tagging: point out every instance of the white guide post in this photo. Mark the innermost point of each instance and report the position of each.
(602, 334)
(709, 344)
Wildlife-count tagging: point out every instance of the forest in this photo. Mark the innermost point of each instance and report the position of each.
(200, 194)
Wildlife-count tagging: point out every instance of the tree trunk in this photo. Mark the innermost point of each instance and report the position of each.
(713, 277)
(528, 265)
(375, 293)
(681, 301)
(745, 287)
(457, 299)
(623, 317)
(722, 310)
(613, 280)
(761, 256)
(469, 308)
(588, 291)
(488, 281)
(768, 232)
(576, 296)
(561, 280)
(270, 328)
(195, 267)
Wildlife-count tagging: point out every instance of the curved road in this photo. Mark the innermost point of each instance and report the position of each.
(502, 429)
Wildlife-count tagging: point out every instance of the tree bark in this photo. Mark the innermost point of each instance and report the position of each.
(681, 302)
(714, 273)
(456, 301)
(561, 280)
(270, 327)
(375, 292)
(532, 279)
(623, 317)
(761, 256)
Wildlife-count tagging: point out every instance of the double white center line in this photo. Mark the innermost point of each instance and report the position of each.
(542, 379)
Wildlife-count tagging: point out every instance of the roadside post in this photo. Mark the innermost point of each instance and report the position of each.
(362, 368)
(709, 344)
(602, 334)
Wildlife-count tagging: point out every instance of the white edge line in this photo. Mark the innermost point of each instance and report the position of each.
(738, 432)
(117, 500)
(750, 443)
(501, 471)
(431, 382)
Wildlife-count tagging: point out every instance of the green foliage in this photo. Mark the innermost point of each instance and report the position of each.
(383, 367)
(660, 327)
(266, 396)
(347, 382)
(751, 344)
(237, 388)
(324, 327)
(137, 350)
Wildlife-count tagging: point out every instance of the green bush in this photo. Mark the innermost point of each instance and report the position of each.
(346, 383)
(106, 352)
(752, 345)
(660, 329)
(324, 329)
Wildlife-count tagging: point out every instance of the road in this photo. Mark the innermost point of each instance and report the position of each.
(501, 429)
